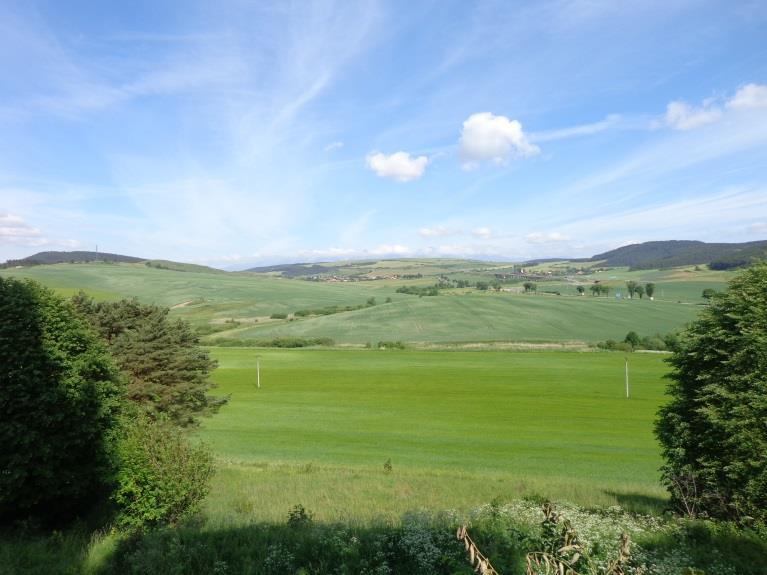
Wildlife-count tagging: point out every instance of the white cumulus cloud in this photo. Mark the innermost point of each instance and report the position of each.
(485, 233)
(486, 137)
(399, 166)
(749, 96)
(682, 116)
(546, 238)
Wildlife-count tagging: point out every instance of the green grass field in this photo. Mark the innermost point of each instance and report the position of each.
(459, 428)
(487, 316)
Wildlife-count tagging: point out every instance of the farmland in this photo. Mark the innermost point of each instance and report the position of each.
(458, 428)
(239, 306)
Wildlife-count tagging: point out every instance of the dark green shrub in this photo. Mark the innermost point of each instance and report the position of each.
(162, 476)
(278, 316)
(632, 338)
(59, 401)
(390, 345)
(713, 430)
(299, 516)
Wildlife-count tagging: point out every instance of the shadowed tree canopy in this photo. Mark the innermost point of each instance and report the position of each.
(168, 372)
(60, 396)
(714, 429)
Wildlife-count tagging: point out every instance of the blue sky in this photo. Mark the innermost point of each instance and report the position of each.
(236, 133)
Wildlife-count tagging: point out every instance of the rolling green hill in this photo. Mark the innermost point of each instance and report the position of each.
(239, 305)
(474, 317)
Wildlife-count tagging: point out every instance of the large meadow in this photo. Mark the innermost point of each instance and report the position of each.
(364, 434)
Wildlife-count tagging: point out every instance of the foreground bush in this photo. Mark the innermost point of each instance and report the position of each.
(59, 400)
(162, 477)
(420, 544)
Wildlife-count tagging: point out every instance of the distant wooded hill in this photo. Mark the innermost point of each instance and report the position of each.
(43, 258)
(674, 253)
(80, 257)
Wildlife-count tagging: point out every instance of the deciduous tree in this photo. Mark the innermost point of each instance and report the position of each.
(60, 398)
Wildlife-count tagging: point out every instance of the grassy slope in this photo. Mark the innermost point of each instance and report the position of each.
(487, 317)
(459, 428)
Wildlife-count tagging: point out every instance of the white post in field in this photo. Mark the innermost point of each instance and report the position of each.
(627, 377)
(258, 373)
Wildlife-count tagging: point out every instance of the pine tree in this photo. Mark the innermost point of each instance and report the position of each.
(168, 372)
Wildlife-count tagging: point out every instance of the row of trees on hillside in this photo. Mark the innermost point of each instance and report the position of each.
(635, 288)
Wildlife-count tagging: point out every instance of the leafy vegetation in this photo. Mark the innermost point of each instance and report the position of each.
(712, 431)
(162, 478)
(420, 290)
(284, 342)
(60, 402)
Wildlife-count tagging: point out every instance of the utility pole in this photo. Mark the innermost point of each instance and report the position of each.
(627, 377)
(258, 372)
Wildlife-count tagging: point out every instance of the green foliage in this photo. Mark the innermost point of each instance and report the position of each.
(162, 478)
(278, 316)
(631, 287)
(529, 287)
(708, 293)
(712, 431)
(390, 345)
(632, 341)
(649, 289)
(420, 290)
(283, 342)
(59, 400)
(330, 310)
(632, 338)
(166, 368)
(299, 517)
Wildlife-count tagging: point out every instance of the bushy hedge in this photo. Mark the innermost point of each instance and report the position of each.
(284, 342)
(162, 477)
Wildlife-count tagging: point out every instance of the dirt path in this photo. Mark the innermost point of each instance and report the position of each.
(182, 304)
